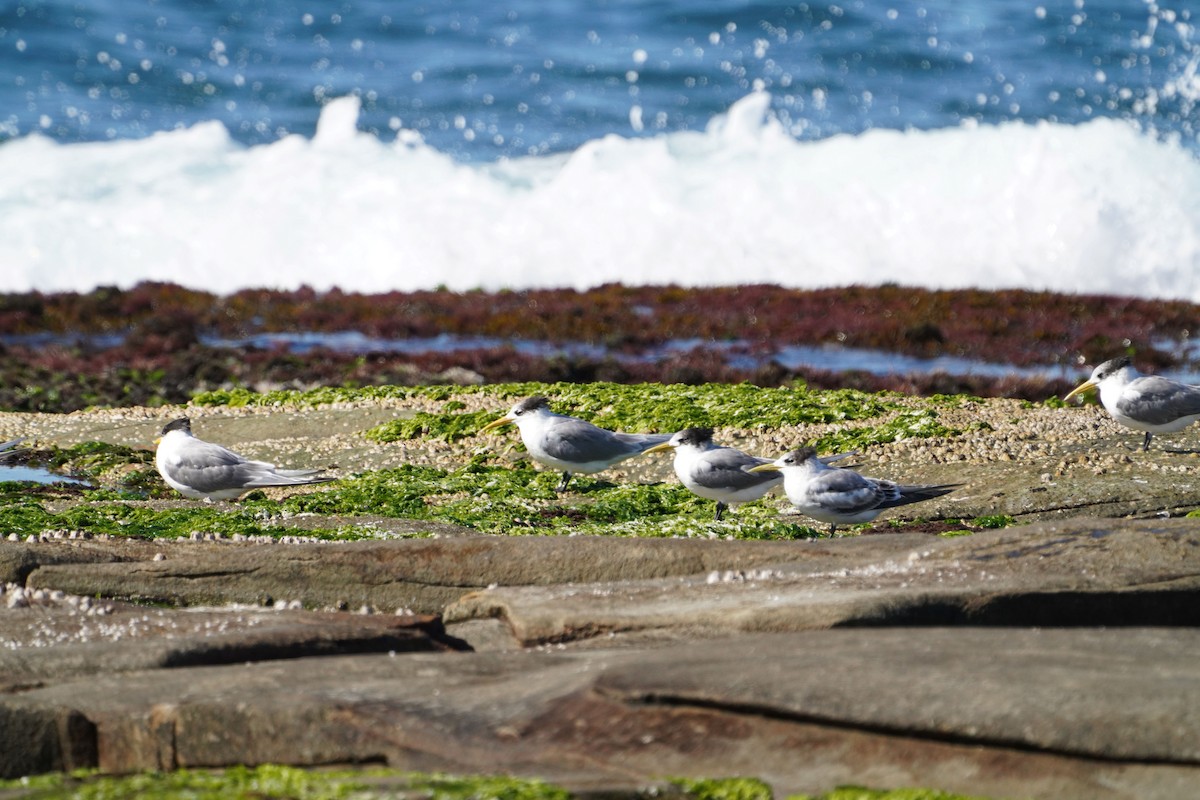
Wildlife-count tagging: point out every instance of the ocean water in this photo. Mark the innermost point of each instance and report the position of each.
(376, 146)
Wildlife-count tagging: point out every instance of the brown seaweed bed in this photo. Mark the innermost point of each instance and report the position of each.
(152, 344)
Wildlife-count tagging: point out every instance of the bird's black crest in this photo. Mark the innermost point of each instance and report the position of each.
(695, 435)
(182, 424)
(1114, 364)
(800, 455)
(531, 404)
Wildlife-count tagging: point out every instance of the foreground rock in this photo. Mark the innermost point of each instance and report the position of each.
(1052, 660)
(1062, 713)
(553, 590)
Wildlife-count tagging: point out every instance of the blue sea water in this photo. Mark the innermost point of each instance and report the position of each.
(376, 146)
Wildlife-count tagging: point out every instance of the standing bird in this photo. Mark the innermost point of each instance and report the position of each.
(1148, 403)
(840, 496)
(572, 445)
(720, 473)
(6, 448)
(715, 472)
(205, 471)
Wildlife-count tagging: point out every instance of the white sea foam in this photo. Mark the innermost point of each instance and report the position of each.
(1099, 207)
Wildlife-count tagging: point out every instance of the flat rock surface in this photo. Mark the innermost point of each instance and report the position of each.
(1079, 572)
(1056, 659)
(1062, 713)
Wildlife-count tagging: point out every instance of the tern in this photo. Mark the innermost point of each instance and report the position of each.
(569, 444)
(1148, 403)
(717, 472)
(841, 496)
(6, 448)
(205, 471)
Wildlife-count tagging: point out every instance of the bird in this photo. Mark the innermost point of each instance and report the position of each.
(1148, 403)
(717, 472)
(6, 448)
(570, 444)
(205, 471)
(842, 496)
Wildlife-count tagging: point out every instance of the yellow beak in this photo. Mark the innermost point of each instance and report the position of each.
(1083, 387)
(764, 468)
(658, 448)
(496, 423)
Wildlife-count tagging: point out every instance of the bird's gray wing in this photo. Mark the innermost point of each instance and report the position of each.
(579, 442)
(725, 468)
(643, 441)
(208, 467)
(844, 492)
(6, 447)
(1158, 401)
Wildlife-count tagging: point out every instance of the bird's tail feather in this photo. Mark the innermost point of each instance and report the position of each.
(298, 473)
(283, 479)
(644, 440)
(917, 494)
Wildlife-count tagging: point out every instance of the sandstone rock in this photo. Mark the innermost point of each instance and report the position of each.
(420, 575)
(1079, 572)
(1053, 713)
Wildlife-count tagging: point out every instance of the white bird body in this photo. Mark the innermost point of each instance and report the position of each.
(205, 471)
(841, 496)
(1147, 403)
(715, 472)
(570, 444)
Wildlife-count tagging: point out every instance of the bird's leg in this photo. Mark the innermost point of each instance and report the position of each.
(720, 509)
(562, 485)
(832, 529)
(1146, 443)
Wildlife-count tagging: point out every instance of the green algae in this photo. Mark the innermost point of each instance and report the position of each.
(26, 517)
(449, 425)
(724, 788)
(481, 494)
(744, 788)
(667, 408)
(519, 499)
(490, 498)
(993, 521)
(128, 471)
(646, 406)
(90, 459)
(861, 793)
(294, 783)
(281, 782)
(308, 398)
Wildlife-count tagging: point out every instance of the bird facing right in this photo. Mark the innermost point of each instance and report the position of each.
(1148, 403)
(841, 496)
